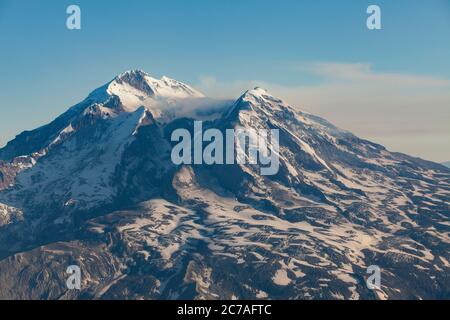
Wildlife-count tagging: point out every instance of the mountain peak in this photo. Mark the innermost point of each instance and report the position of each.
(255, 99)
(132, 73)
(136, 78)
(258, 91)
(135, 88)
(140, 83)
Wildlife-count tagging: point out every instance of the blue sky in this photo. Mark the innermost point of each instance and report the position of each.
(391, 85)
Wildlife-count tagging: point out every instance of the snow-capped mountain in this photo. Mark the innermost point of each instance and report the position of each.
(97, 188)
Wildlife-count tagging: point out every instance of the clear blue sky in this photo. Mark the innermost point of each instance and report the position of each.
(46, 68)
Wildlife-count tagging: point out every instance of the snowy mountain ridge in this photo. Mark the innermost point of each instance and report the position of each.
(97, 188)
(136, 88)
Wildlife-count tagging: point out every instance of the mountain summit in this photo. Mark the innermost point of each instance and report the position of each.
(97, 188)
(144, 83)
(137, 88)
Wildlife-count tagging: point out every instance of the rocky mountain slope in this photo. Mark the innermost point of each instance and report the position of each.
(97, 188)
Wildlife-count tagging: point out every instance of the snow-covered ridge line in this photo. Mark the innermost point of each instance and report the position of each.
(136, 88)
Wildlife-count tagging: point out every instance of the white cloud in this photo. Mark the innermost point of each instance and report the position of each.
(407, 113)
